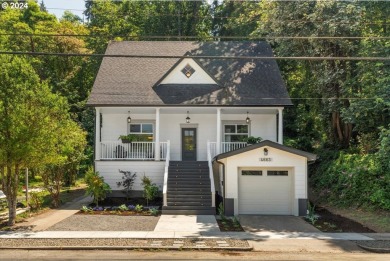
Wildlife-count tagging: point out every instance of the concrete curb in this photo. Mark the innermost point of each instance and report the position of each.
(128, 248)
(374, 249)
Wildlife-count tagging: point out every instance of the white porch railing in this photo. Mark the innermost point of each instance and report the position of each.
(167, 159)
(213, 148)
(229, 146)
(137, 150)
(210, 163)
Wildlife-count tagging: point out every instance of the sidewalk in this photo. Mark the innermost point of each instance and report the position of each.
(190, 234)
(181, 228)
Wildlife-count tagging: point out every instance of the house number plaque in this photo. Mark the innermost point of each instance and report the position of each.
(265, 159)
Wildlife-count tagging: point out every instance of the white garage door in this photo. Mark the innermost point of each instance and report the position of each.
(267, 192)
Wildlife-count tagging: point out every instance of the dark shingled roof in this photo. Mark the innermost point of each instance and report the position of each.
(135, 81)
(310, 156)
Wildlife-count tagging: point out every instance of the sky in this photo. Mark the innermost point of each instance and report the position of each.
(58, 7)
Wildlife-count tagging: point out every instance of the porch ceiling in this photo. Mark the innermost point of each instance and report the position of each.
(192, 110)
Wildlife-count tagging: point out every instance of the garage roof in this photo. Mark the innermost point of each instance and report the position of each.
(310, 156)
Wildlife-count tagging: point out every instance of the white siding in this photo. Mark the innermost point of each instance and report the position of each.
(110, 171)
(171, 125)
(280, 160)
(177, 77)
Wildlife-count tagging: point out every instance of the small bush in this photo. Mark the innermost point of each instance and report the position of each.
(138, 208)
(36, 200)
(127, 182)
(123, 207)
(153, 211)
(150, 189)
(96, 187)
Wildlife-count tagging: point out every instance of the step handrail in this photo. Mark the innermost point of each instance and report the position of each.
(209, 160)
(165, 188)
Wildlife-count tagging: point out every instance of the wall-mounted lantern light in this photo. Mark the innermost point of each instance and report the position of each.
(188, 118)
(265, 152)
(248, 120)
(129, 118)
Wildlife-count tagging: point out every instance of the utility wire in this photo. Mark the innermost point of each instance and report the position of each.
(207, 37)
(327, 58)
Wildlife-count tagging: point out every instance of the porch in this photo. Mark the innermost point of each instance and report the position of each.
(189, 129)
(116, 150)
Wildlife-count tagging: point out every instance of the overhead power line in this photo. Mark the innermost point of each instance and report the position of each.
(206, 37)
(313, 58)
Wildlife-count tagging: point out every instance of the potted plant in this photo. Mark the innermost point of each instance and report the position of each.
(128, 138)
(253, 140)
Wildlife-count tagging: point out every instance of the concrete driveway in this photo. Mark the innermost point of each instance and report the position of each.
(256, 223)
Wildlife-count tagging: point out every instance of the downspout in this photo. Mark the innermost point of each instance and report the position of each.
(223, 182)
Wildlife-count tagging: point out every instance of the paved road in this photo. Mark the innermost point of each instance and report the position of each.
(182, 255)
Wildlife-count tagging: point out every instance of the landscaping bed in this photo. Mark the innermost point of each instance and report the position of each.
(124, 207)
(229, 224)
(330, 222)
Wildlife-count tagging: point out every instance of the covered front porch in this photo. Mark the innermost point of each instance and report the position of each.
(191, 132)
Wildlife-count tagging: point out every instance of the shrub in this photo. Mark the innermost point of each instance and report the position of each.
(138, 208)
(153, 211)
(311, 216)
(36, 200)
(123, 207)
(96, 187)
(150, 189)
(127, 182)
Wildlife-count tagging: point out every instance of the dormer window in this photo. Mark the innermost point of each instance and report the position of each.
(188, 71)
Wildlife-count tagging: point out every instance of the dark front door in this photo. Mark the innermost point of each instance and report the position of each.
(188, 141)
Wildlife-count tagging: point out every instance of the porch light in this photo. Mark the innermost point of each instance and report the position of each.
(248, 120)
(129, 118)
(265, 152)
(188, 118)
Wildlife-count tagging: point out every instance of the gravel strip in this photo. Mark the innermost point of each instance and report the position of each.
(381, 246)
(106, 223)
(120, 242)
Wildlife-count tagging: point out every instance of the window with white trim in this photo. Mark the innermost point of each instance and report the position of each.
(236, 132)
(144, 130)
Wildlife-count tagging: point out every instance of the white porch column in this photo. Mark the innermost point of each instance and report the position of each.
(157, 139)
(218, 149)
(97, 135)
(280, 126)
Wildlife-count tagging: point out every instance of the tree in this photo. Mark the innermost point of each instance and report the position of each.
(70, 143)
(26, 122)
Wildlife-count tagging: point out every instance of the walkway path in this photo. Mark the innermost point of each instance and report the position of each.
(44, 221)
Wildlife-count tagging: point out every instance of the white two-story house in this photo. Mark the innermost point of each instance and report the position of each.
(189, 108)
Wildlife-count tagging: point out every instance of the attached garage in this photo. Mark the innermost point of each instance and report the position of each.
(264, 179)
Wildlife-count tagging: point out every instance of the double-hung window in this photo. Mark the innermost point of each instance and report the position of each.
(236, 132)
(144, 130)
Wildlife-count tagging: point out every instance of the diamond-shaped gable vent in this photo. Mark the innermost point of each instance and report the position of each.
(188, 71)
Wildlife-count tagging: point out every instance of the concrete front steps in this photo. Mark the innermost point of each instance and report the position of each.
(189, 190)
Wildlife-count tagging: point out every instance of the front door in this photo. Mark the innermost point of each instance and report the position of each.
(188, 141)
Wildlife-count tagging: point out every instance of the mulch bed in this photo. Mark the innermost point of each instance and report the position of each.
(329, 222)
(117, 213)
